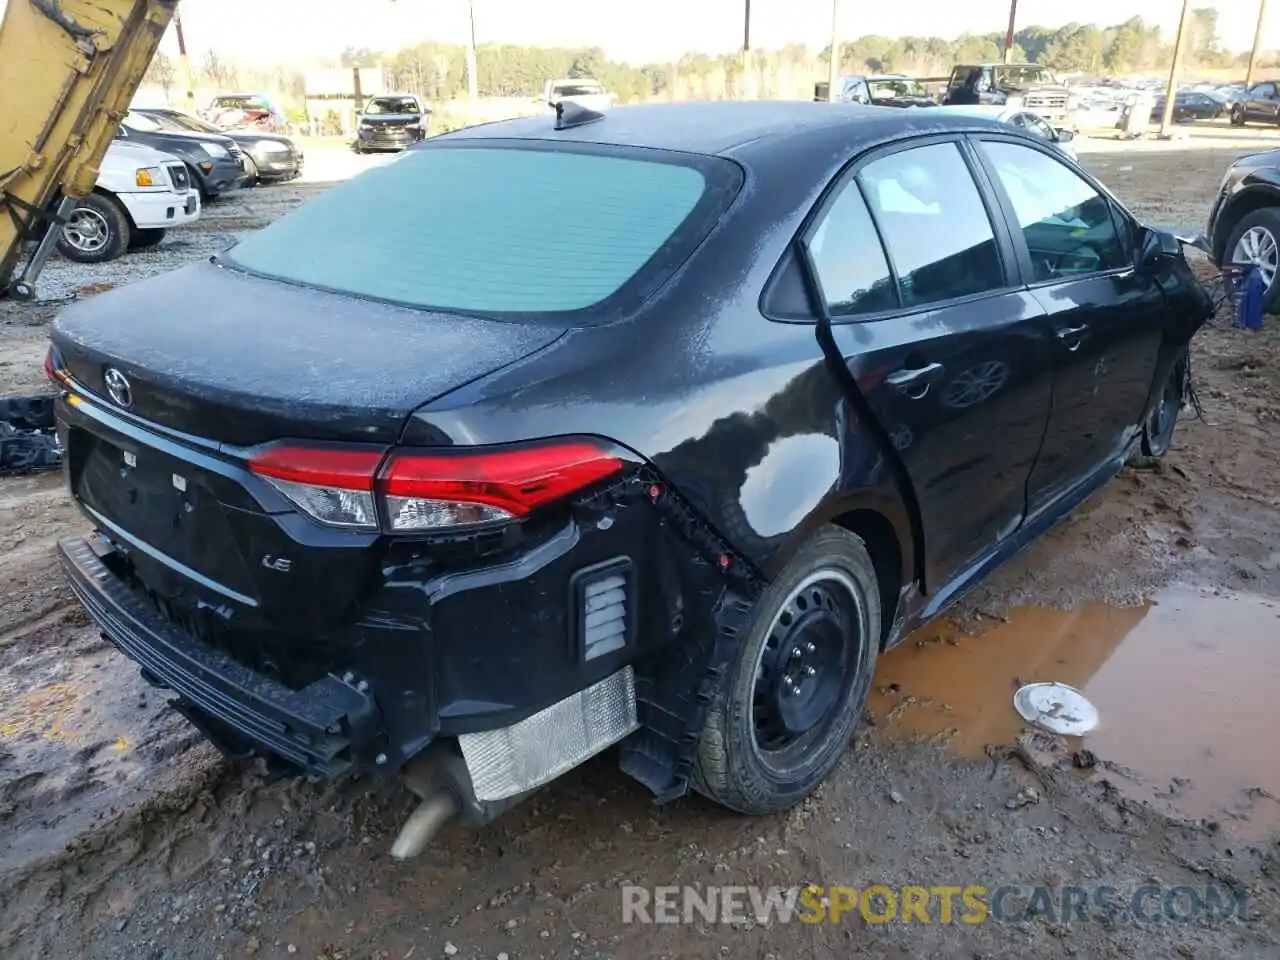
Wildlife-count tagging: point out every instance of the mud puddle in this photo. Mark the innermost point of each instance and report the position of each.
(1186, 687)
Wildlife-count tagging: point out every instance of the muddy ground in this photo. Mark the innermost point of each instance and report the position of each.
(123, 836)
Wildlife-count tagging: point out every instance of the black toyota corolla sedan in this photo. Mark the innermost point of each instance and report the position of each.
(649, 429)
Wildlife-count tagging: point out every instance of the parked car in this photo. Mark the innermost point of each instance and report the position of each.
(881, 90)
(1190, 105)
(471, 503)
(391, 123)
(252, 112)
(139, 195)
(1244, 223)
(1259, 104)
(269, 157)
(1063, 139)
(585, 91)
(216, 162)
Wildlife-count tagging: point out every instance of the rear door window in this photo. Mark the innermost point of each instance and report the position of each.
(499, 229)
(934, 224)
(849, 260)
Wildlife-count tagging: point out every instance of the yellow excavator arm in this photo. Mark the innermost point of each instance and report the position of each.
(68, 70)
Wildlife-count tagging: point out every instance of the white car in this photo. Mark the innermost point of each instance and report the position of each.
(139, 195)
(1019, 116)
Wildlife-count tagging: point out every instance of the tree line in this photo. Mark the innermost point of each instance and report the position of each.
(437, 71)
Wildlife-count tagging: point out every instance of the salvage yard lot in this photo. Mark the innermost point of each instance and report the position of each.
(123, 836)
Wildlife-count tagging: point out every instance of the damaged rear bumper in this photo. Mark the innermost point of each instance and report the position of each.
(321, 729)
(494, 660)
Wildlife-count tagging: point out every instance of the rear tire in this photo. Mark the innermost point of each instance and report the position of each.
(97, 231)
(791, 700)
(145, 237)
(1157, 432)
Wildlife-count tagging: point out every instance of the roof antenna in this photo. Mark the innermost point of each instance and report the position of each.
(571, 114)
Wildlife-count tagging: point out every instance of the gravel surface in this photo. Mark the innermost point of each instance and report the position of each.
(125, 837)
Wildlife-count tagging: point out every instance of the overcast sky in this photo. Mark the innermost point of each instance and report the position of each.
(645, 30)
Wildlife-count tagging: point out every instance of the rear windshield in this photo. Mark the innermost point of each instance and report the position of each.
(494, 230)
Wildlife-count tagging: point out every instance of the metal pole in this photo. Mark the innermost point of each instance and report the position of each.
(185, 60)
(833, 75)
(1008, 35)
(1257, 43)
(746, 45)
(1171, 92)
(473, 82)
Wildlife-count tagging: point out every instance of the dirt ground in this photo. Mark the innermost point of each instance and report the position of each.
(123, 836)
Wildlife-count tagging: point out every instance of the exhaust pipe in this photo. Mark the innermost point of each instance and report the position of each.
(423, 824)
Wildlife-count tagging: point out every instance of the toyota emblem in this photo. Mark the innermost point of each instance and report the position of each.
(118, 386)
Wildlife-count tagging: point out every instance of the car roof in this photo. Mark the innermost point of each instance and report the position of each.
(994, 111)
(720, 127)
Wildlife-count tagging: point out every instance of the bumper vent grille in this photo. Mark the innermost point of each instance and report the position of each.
(601, 600)
(178, 174)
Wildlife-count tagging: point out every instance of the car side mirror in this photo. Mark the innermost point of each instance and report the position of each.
(1065, 136)
(1157, 246)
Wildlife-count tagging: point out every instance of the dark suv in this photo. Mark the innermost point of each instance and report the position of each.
(1244, 223)
(670, 422)
(391, 123)
(216, 162)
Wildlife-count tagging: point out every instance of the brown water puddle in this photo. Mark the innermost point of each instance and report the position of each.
(1188, 688)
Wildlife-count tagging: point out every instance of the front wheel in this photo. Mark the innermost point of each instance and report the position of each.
(98, 230)
(1256, 240)
(791, 700)
(1237, 116)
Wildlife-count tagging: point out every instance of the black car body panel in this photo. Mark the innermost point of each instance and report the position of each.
(1251, 183)
(214, 175)
(741, 418)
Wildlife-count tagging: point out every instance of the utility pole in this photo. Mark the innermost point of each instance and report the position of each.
(1171, 92)
(1257, 43)
(184, 60)
(746, 45)
(833, 75)
(1008, 34)
(473, 82)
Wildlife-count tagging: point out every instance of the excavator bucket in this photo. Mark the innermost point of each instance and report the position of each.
(68, 70)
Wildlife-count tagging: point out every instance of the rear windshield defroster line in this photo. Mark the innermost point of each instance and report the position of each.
(501, 228)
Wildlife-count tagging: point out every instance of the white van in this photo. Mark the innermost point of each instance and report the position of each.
(140, 194)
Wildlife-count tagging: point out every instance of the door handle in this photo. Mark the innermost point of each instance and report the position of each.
(915, 381)
(1071, 336)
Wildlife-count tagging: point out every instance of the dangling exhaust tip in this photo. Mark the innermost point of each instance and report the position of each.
(423, 824)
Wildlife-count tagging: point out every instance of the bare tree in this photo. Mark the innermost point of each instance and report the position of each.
(161, 72)
(218, 71)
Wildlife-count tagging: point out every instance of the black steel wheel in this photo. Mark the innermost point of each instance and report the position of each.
(792, 699)
(1157, 432)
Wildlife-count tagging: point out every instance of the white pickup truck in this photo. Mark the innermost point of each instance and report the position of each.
(140, 194)
(585, 91)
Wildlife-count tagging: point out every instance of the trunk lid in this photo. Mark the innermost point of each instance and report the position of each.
(240, 360)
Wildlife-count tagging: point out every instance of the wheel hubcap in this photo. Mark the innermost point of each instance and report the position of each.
(1257, 246)
(807, 661)
(86, 230)
(976, 384)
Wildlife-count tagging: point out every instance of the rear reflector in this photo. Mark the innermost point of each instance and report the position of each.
(419, 491)
(513, 760)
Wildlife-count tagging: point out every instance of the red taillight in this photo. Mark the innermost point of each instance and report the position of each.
(420, 491)
(346, 468)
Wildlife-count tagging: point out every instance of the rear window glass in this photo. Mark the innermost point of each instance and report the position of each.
(483, 229)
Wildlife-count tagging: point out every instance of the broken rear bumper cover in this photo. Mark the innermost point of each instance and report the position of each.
(650, 692)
